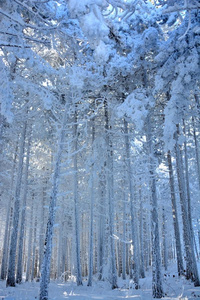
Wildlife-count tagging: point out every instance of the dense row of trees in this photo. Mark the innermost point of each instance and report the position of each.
(99, 140)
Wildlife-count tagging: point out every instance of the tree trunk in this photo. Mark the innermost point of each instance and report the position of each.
(157, 288)
(91, 213)
(45, 271)
(175, 218)
(13, 244)
(191, 266)
(28, 269)
(110, 199)
(196, 151)
(76, 205)
(42, 233)
(7, 225)
(34, 249)
(132, 210)
(23, 216)
(164, 234)
(101, 233)
(142, 271)
(124, 238)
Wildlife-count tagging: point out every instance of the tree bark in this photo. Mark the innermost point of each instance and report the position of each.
(191, 266)
(142, 271)
(124, 238)
(28, 269)
(110, 198)
(157, 288)
(101, 233)
(196, 151)
(45, 271)
(164, 234)
(91, 213)
(8, 223)
(132, 210)
(175, 217)
(76, 204)
(23, 216)
(13, 244)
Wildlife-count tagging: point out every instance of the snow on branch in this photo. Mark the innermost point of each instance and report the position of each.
(24, 24)
(177, 8)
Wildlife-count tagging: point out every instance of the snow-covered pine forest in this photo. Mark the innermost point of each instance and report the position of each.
(99, 146)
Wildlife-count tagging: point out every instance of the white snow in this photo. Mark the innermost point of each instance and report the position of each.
(101, 53)
(175, 288)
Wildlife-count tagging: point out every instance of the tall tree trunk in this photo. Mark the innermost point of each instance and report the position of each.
(91, 212)
(124, 237)
(42, 233)
(157, 288)
(191, 266)
(187, 180)
(22, 225)
(188, 187)
(175, 217)
(164, 234)
(142, 271)
(7, 225)
(110, 198)
(76, 204)
(13, 244)
(45, 271)
(196, 150)
(34, 249)
(28, 269)
(132, 210)
(101, 233)
(60, 243)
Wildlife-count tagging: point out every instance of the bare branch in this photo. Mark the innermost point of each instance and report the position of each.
(13, 45)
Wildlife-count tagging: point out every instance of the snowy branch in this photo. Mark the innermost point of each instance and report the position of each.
(24, 24)
(177, 8)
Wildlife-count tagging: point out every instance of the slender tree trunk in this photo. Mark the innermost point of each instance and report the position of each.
(196, 150)
(187, 180)
(101, 236)
(30, 242)
(42, 233)
(34, 249)
(191, 266)
(175, 217)
(91, 214)
(118, 248)
(142, 271)
(13, 244)
(45, 272)
(76, 204)
(146, 244)
(157, 288)
(188, 187)
(164, 234)
(110, 199)
(124, 238)
(7, 225)
(60, 243)
(132, 211)
(22, 225)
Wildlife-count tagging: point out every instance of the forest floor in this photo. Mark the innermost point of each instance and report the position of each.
(175, 288)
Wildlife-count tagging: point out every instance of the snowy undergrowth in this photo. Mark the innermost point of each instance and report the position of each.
(175, 289)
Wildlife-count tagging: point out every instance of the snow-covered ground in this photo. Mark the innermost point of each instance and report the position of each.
(175, 289)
